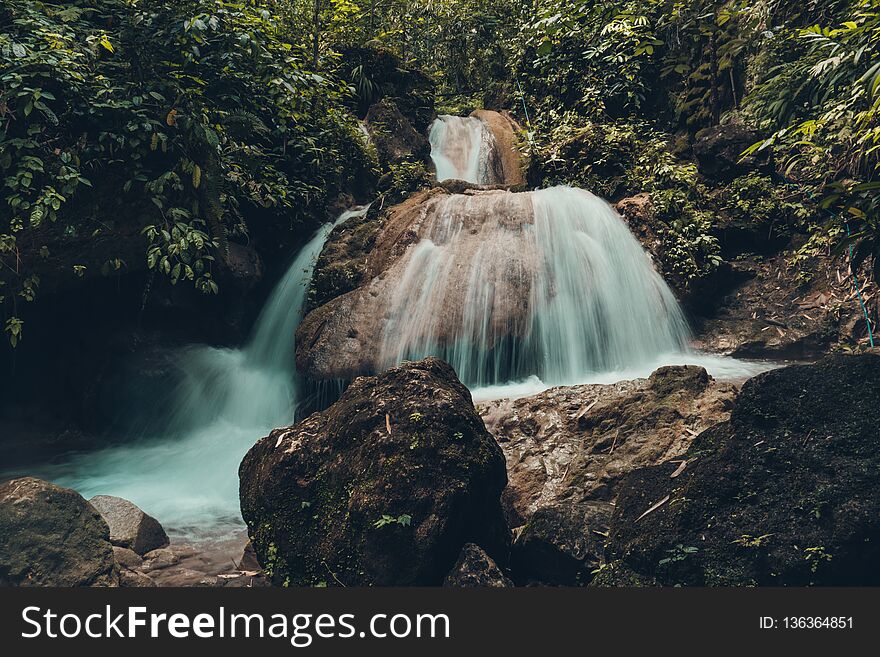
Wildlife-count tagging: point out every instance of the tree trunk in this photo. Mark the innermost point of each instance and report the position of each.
(316, 40)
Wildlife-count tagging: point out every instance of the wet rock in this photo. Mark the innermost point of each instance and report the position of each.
(718, 151)
(561, 545)
(129, 526)
(773, 312)
(568, 449)
(475, 568)
(249, 560)
(50, 536)
(785, 493)
(641, 216)
(394, 136)
(383, 488)
(575, 443)
(159, 559)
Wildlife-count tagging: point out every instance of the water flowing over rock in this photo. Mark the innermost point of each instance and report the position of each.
(50, 536)
(385, 487)
(185, 473)
(480, 149)
(501, 285)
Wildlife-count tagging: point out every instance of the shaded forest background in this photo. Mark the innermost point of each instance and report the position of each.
(159, 159)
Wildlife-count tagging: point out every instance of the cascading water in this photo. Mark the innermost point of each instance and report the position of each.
(461, 149)
(184, 471)
(548, 283)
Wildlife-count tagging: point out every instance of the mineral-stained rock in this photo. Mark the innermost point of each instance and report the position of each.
(129, 526)
(50, 536)
(567, 449)
(784, 493)
(383, 488)
(475, 568)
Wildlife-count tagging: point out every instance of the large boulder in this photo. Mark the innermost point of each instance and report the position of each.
(394, 136)
(50, 536)
(383, 488)
(568, 449)
(129, 526)
(786, 493)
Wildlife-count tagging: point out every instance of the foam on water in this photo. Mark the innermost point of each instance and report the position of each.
(184, 470)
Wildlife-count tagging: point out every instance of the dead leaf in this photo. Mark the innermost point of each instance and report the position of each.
(654, 507)
(388, 423)
(679, 469)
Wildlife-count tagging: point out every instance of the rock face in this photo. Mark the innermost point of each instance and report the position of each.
(475, 568)
(129, 526)
(394, 136)
(568, 449)
(785, 493)
(770, 313)
(50, 536)
(346, 337)
(383, 488)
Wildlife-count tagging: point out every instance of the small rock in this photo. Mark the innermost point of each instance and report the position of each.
(127, 558)
(129, 526)
(475, 568)
(159, 559)
(559, 546)
(249, 561)
(133, 579)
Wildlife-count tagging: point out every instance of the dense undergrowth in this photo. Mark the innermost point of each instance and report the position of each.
(192, 124)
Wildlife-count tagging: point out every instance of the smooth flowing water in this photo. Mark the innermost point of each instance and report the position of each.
(548, 283)
(184, 470)
(461, 148)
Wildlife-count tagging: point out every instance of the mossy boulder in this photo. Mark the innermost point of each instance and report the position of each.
(50, 536)
(787, 492)
(395, 138)
(383, 488)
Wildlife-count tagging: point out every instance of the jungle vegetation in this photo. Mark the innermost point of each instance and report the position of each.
(181, 126)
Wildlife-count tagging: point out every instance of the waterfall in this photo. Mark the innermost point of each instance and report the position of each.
(184, 470)
(518, 291)
(461, 148)
(548, 283)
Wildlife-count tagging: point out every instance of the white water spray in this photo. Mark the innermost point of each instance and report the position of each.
(185, 473)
